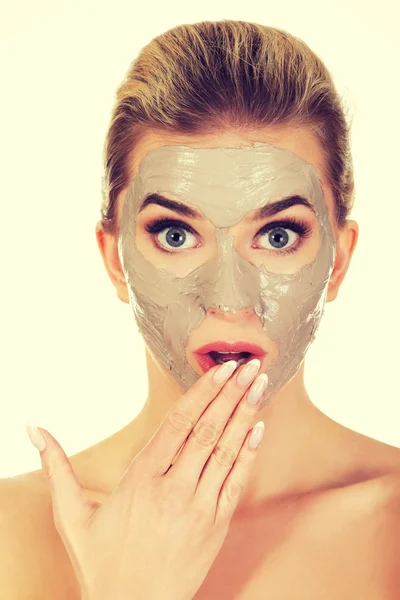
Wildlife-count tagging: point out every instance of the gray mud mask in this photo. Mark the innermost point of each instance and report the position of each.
(225, 184)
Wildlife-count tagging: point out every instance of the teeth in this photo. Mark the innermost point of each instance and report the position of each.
(228, 352)
(241, 361)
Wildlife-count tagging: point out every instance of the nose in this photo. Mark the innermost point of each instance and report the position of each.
(231, 315)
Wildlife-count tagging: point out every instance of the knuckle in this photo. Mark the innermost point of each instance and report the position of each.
(233, 490)
(206, 433)
(224, 455)
(180, 422)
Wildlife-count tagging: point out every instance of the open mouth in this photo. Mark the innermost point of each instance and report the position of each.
(217, 353)
(221, 357)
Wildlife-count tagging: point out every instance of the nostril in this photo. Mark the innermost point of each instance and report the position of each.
(231, 313)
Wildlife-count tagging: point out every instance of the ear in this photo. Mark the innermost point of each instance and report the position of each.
(345, 244)
(108, 246)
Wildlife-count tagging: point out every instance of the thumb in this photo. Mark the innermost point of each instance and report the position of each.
(70, 507)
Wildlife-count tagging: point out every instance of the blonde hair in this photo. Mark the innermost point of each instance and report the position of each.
(212, 76)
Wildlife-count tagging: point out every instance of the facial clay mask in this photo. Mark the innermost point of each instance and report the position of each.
(225, 184)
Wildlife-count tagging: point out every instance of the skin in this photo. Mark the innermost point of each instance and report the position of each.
(292, 421)
(319, 515)
(318, 494)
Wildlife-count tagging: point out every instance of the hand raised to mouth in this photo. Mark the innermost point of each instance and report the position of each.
(173, 506)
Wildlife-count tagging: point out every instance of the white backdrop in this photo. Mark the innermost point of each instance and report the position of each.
(72, 360)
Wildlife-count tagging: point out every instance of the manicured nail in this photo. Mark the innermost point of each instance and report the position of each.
(256, 435)
(35, 436)
(257, 389)
(248, 372)
(223, 373)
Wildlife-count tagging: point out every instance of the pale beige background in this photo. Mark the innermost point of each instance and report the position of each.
(71, 358)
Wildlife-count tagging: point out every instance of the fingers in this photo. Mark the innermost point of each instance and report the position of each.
(226, 454)
(206, 433)
(69, 504)
(238, 476)
(163, 447)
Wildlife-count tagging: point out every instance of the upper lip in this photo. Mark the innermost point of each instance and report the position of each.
(237, 346)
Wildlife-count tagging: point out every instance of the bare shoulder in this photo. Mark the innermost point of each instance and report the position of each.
(379, 472)
(388, 517)
(33, 560)
(362, 521)
(373, 486)
(369, 467)
(381, 530)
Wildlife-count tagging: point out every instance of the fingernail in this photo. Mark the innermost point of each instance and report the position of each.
(35, 436)
(257, 435)
(257, 389)
(248, 372)
(223, 373)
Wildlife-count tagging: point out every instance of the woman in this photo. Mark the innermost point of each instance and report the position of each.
(228, 184)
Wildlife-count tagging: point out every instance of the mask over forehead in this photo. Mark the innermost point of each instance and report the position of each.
(225, 184)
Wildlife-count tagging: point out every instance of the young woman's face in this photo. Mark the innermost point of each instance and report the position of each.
(222, 265)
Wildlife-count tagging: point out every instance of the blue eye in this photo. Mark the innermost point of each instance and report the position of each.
(175, 237)
(280, 237)
(283, 234)
(173, 233)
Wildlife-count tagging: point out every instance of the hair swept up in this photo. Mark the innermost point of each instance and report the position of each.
(212, 76)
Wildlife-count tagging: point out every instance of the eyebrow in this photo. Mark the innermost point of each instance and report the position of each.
(268, 210)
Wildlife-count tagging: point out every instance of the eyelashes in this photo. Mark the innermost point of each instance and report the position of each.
(158, 225)
(300, 227)
(297, 225)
